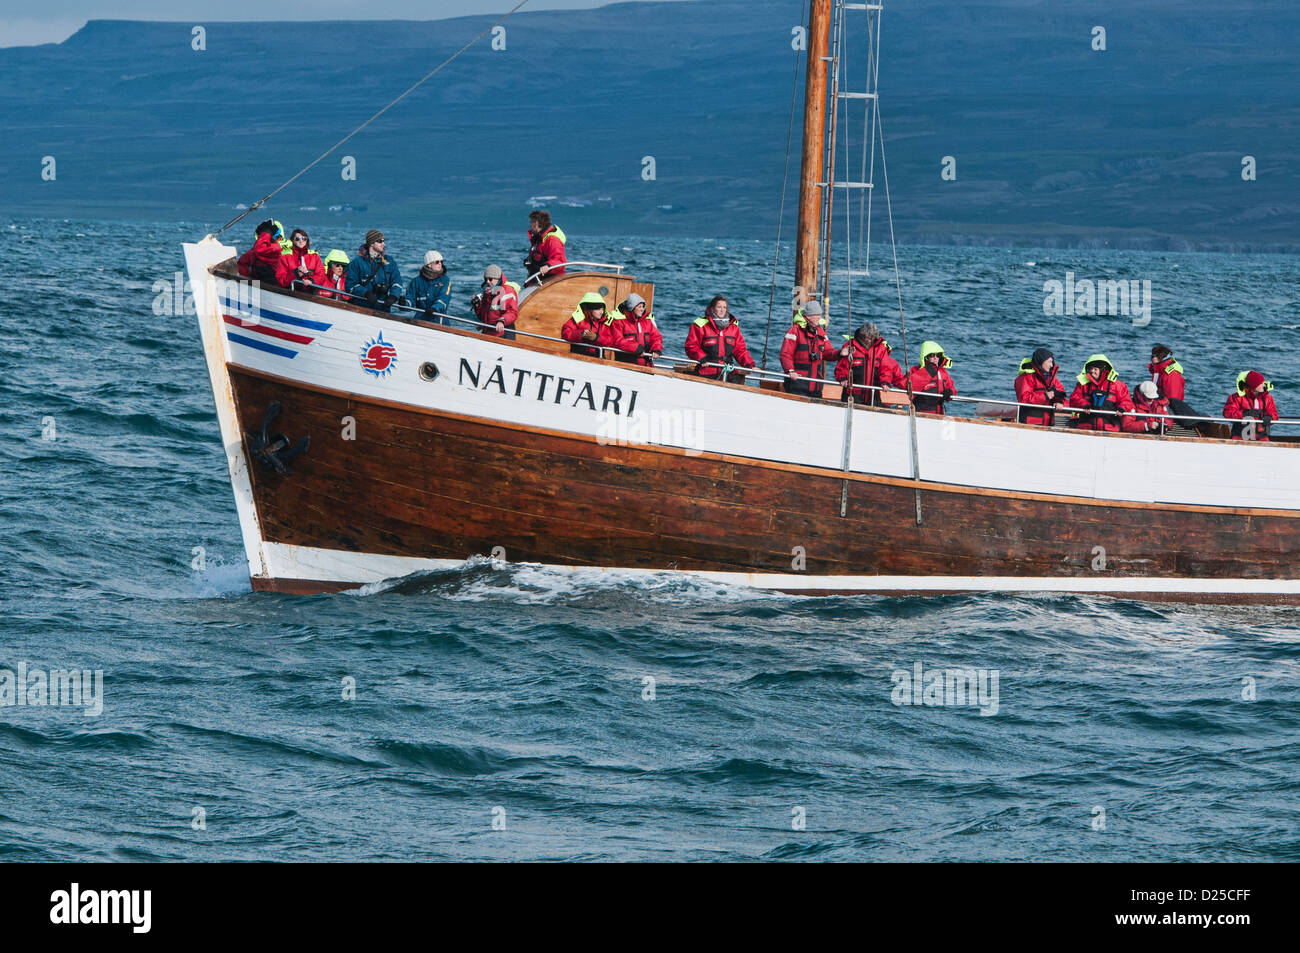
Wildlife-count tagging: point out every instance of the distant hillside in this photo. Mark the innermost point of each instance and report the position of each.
(1141, 144)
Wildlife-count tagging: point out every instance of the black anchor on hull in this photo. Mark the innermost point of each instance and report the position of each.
(274, 452)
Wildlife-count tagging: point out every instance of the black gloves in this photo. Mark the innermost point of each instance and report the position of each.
(402, 300)
(390, 300)
(947, 393)
(372, 297)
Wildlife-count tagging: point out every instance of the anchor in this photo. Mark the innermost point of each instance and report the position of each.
(274, 452)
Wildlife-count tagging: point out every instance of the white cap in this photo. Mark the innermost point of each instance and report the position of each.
(1148, 390)
(431, 256)
(492, 271)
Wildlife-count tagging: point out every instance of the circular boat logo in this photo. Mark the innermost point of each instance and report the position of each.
(378, 357)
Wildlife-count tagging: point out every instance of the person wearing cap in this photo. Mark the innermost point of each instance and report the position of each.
(430, 290)
(1252, 404)
(587, 329)
(546, 255)
(932, 385)
(1167, 373)
(866, 368)
(633, 333)
(1038, 384)
(262, 261)
(805, 350)
(301, 265)
(373, 278)
(1100, 388)
(1147, 399)
(336, 263)
(716, 339)
(497, 304)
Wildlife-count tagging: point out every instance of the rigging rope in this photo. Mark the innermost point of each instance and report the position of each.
(785, 178)
(263, 200)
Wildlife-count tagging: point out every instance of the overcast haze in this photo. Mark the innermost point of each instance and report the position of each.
(59, 19)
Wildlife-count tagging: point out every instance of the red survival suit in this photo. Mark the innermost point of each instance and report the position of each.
(804, 353)
(869, 366)
(1033, 388)
(706, 342)
(262, 261)
(1110, 393)
(634, 339)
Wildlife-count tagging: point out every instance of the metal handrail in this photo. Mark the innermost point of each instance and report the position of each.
(759, 374)
(618, 269)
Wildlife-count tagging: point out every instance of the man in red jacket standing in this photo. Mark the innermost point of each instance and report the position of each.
(716, 339)
(546, 254)
(865, 364)
(262, 261)
(1038, 384)
(1100, 389)
(1147, 400)
(1252, 404)
(1167, 373)
(805, 350)
(633, 333)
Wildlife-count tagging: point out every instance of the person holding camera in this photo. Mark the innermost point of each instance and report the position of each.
(497, 305)
(372, 278)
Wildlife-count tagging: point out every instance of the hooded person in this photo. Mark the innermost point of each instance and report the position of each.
(866, 367)
(372, 278)
(497, 304)
(301, 265)
(1039, 385)
(1253, 405)
(633, 333)
(262, 261)
(336, 265)
(805, 350)
(430, 290)
(1167, 373)
(932, 385)
(715, 339)
(1147, 399)
(1100, 389)
(587, 329)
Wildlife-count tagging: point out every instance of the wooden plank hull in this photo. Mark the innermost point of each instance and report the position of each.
(427, 485)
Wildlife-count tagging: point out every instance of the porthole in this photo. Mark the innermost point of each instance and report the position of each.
(428, 371)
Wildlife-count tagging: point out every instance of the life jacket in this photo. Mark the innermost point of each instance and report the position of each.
(577, 320)
(866, 369)
(535, 257)
(633, 334)
(1036, 388)
(1100, 396)
(1254, 407)
(718, 344)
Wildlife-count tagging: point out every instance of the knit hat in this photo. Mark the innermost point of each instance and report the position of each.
(812, 309)
(1041, 355)
(633, 300)
(867, 333)
(432, 256)
(1253, 380)
(1148, 390)
(374, 235)
(492, 271)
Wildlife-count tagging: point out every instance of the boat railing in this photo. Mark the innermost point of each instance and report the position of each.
(670, 361)
(591, 265)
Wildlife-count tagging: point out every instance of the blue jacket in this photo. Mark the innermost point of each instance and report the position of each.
(364, 274)
(434, 294)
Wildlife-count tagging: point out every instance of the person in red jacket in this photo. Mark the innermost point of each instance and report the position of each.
(865, 364)
(1038, 384)
(587, 329)
(1252, 404)
(1100, 388)
(805, 350)
(546, 242)
(1147, 400)
(633, 333)
(716, 339)
(1167, 373)
(262, 261)
(497, 305)
(336, 264)
(932, 385)
(302, 264)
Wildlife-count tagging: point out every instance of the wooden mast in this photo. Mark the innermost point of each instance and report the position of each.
(814, 143)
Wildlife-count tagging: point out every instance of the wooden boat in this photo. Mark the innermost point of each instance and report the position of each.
(431, 444)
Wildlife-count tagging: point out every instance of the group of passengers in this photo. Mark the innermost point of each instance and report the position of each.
(864, 366)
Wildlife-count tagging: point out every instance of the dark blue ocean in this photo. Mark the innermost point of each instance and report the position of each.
(508, 712)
